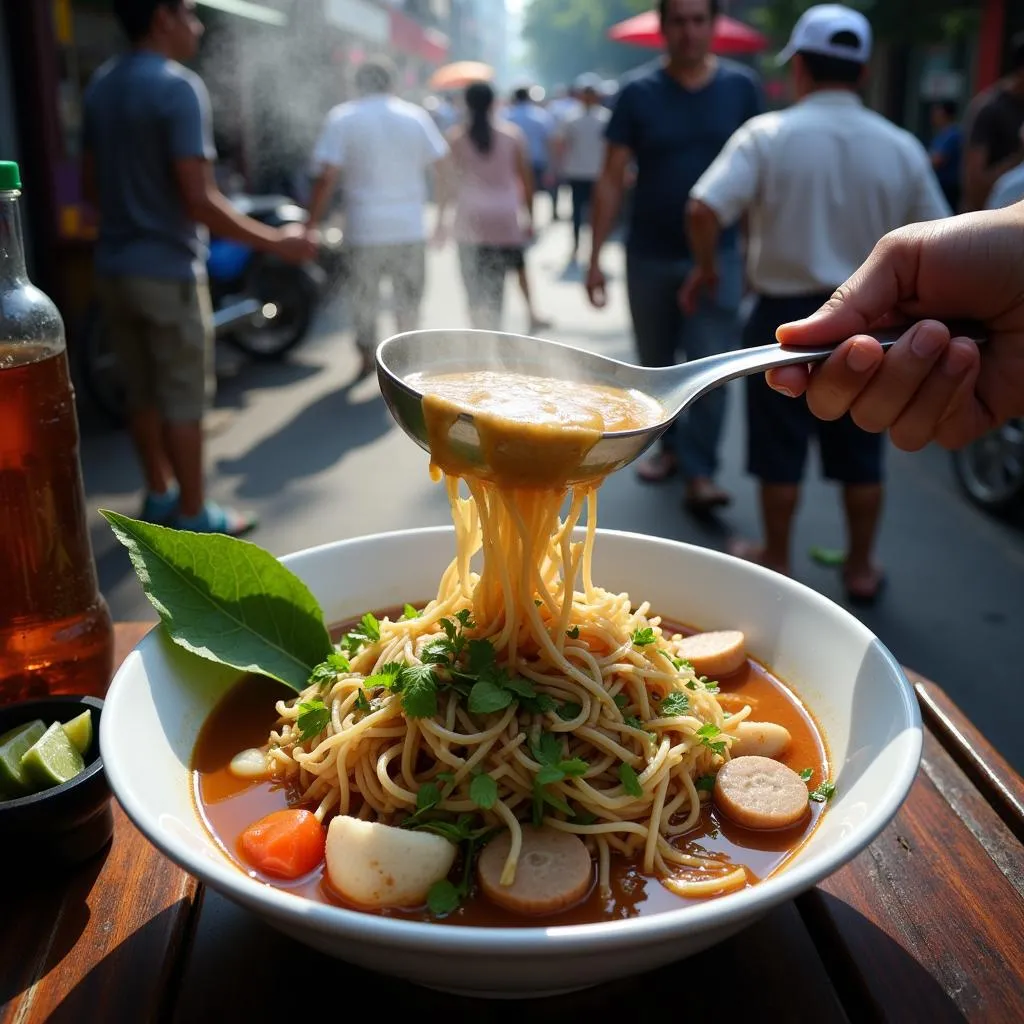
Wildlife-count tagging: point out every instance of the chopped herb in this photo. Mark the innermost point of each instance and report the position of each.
(727, 714)
(443, 898)
(465, 618)
(677, 663)
(806, 774)
(481, 656)
(408, 612)
(824, 792)
(487, 697)
(539, 705)
(643, 637)
(584, 817)
(547, 751)
(387, 677)
(362, 703)
(707, 734)
(691, 684)
(419, 691)
(428, 796)
(633, 722)
(367, 632)
(483, 791)
(537, 602)
(569, 710)
(445, 650)
(328, 670)
(574, 633)
(674, 704)
(630, 781)
(705, 784)
(621, 700)
(314, 717)
(710, 686)
(518, 685)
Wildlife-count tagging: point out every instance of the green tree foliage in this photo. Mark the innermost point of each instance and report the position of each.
(569, 37)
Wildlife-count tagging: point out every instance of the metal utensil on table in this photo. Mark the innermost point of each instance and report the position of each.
(675, 387)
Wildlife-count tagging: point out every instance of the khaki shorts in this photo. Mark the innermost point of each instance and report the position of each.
(162, 335)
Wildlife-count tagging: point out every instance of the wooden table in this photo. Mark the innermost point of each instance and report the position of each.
(926, 925)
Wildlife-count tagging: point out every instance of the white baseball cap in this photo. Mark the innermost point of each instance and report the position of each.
(817, 27)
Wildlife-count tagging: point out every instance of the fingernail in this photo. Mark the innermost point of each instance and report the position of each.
(927, 342)
(783, 390)
(955, 362)
(860, 358)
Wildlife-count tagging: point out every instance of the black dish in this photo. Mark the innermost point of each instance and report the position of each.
(65, 824)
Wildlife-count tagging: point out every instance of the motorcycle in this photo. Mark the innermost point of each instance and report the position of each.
(262, 306)
(991, 470)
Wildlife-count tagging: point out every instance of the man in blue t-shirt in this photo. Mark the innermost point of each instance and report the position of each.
(671, 123)
(946, 150)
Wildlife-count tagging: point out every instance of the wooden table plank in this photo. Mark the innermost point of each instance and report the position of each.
(927, 917)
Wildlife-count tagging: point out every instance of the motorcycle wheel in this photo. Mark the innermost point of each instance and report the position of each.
(289, 296)
(98, 370)
(991, 470)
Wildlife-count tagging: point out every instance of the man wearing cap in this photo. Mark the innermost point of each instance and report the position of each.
(669, 124)
(821, 182)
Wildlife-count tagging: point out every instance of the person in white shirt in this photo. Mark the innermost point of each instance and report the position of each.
(580, 151)
(821, 183)
(380, 148)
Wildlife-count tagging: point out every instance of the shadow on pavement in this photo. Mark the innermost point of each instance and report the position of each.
(313, 441)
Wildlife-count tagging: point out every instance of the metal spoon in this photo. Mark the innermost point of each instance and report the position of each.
(675, 387)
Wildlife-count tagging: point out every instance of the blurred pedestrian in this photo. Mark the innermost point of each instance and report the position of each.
(538, 126)
(489, 181)
(672, 121)
(993, 129)
(381, 149)
(1009, 188)
(149, 168)
(821, 182)
(946, 150)
(580, 148)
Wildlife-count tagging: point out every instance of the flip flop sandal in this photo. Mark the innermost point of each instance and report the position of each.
(160, 509)
(657, 469)
(217, 519)
(862, 599)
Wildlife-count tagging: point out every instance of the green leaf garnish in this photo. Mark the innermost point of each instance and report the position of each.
(428, 796)
(621, 700)
(539, 705)
(677, 663)
(408, 612)
(328, 670)
(643, 637)
(574, 633)
(547, 751)
(707, 734)
(633, 722)
(419, 691)
(362, 703)
(824, 792)
(487, 697)
(674, 704)
(483, 791)
(806, 774)
(630, 780)
(387, 677)
(705, 784)
(314, 717)
(569, 710)
(227, 600)
(443, 898)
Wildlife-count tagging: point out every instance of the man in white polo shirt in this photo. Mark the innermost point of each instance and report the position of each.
(380, 148)
(822, 182)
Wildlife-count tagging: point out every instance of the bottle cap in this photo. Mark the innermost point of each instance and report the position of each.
(10, 176)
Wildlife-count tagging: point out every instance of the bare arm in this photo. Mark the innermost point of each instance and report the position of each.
(526, 177)
(703, 230)
(607, 198)
(320, 194)
(979, 178)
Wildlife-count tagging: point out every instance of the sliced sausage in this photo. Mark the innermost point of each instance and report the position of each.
(760, 793)
(376, 865)
(714, 654)
(764, 739)
(554, 872)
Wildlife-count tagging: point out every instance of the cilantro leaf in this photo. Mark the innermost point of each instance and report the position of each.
(643, 637)
(707, 734)
(487, 696)
(465, 618)
(677, 663)
(824, 792)
(621, 700)
(705, 784)
(630, 781)
(481, 656)
(547, 749)
(710, 686)
(574, 633)
(419, 691)
(633, 722)
(389, 677)
(483, 791)
(370, 627)
(328, 670)
(574, 766)
(569, 710)
(428, 796)
(549, 773)
(437, 652)
(408, 612)
(583, 817)
(539, 705)
(806, 774)
(362, 704)
(314, 717)
(674, 704)
(519, 686)
(442, 898)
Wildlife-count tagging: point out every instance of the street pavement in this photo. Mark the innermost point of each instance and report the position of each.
(317, 455)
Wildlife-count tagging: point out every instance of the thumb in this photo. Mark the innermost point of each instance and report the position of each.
(877, 287)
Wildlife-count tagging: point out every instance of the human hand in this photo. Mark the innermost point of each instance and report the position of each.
(295, 244)
(597, 286)
(929, 386)
(697, 281)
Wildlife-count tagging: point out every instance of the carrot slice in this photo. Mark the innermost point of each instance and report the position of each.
(286, 844)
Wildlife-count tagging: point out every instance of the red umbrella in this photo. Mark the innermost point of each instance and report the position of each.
(731, 36)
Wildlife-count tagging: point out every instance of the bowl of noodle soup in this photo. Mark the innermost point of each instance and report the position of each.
(849, 686)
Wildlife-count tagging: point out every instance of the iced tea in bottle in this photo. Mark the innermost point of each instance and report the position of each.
(55, 630)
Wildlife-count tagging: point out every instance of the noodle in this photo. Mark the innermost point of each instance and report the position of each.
(597, 671)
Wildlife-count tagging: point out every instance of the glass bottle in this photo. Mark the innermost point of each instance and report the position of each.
(55, 630)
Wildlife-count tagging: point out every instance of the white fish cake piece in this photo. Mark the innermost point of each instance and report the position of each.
(376, 865)
(760, 793)
(715, 654)
(763, 739)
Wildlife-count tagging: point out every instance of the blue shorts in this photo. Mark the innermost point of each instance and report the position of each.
(780, 429)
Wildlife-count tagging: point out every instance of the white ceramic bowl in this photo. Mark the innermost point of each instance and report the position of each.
(853, 685)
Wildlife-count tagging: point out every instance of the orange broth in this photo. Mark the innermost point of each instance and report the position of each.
(246, 715)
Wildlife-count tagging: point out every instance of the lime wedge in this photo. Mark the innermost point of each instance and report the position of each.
(79, 731)
(13, 744)
(52, 759)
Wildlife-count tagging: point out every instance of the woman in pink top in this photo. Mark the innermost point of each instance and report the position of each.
(488, 178)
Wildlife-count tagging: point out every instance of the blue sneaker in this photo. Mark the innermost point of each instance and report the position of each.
(215, 518)
(160, 508)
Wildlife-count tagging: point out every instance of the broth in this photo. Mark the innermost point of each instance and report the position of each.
(246, 715)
